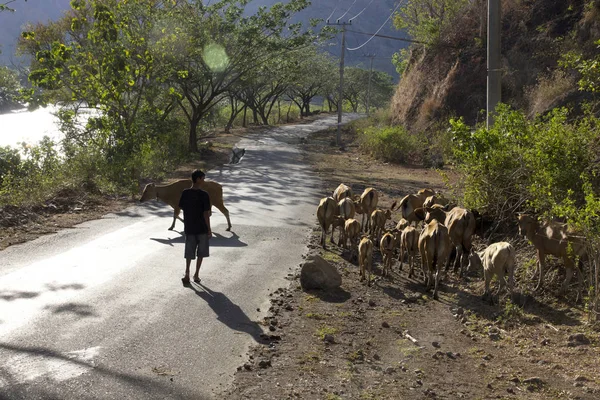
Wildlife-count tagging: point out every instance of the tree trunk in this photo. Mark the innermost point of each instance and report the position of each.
(287, 117)
(193, 139)
(244, 122)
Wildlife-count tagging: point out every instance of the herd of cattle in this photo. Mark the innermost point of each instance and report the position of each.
(429, 227)
(432, 228)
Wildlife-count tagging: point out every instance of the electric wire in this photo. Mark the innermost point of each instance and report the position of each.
(363, 10)
(334, 9)
(378, 30)
(343, 15)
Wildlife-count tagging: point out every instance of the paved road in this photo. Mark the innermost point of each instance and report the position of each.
(99, 312)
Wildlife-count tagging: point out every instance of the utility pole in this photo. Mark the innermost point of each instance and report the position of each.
(338, 137)
(372, 57)
(494, 78)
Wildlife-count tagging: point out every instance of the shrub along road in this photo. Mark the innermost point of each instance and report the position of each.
(99, 311)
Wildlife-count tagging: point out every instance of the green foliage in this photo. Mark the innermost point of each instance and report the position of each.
(588, 68)
(400, 60)
(9, 89)
(426, 20)
(391, 143)
(524, 164)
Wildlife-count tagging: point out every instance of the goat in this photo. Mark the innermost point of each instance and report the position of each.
(342, 191)
(352, 232)
(497, 259)
(368, 203)
(365, 257)
(171, 193)
(325, 214)
(409, 242)
(386, 246)
(461, 227)
(555, 239)
(434, 246)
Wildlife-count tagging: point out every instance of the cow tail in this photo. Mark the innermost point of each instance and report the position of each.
(467, 223)
(436, 238)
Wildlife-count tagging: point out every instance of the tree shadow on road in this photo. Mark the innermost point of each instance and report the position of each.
(229, 313)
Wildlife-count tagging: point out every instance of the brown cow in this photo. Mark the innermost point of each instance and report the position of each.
(555, 239)
(368, 203)
(346, 210)
(497, 259)
(325, 214)
(409, 243)
(341, 192)
(434, 246)
(386, 247)
(365, 257)
(352, 233)
(171, 193)
(461, 226)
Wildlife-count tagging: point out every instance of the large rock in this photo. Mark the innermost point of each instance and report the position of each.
(317, 273)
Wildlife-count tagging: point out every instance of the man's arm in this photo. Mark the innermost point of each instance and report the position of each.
(207, 220)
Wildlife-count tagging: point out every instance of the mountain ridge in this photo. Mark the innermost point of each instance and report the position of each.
(373, 15)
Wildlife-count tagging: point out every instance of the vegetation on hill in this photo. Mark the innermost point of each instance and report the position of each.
(541, 154)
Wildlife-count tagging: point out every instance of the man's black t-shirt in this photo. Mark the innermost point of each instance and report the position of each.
(194, 202)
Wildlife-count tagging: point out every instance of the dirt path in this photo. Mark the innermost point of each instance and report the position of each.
(392, 341)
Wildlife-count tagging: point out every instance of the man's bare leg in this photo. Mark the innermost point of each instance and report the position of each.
(198, 265)
(186, 278)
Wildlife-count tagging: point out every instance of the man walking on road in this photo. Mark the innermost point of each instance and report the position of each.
(195, 204)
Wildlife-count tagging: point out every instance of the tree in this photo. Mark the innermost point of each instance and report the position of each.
(4, 5)
(426, 20)
(313, 73)
(222, 47)
(9, 89)
(101, 55)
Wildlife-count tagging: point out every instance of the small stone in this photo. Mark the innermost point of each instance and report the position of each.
(376, 357)
(435, 344)
(489, 386)
(258, 309)
(328, 338)
(545, 342)
(372, 303)
(488, 357)
(515, 379)
(578, 384)
(533, 381)
(390, 370)
(578, 339)
(274, 322)
(451, 355)
(581, 378)
(264, 363)
(385, 324)
(510, 390)
(248, 367)
(272, 328)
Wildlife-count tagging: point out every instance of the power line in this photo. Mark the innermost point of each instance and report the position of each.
(380, 28)
(361, 11)
(347, 10)
(400, 39)
(334, 9)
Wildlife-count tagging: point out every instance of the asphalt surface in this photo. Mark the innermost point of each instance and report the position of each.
(99, 311)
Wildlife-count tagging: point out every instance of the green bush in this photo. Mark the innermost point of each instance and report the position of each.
(521, 164)
(391, 143)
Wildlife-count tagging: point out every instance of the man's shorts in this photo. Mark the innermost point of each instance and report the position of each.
(196, 245)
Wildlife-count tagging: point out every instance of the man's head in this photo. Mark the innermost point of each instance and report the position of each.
(197, 174)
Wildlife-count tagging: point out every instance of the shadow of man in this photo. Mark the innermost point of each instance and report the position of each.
(229, 313)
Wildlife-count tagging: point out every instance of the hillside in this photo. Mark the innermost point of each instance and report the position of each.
(369, 21)
(450, 78)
